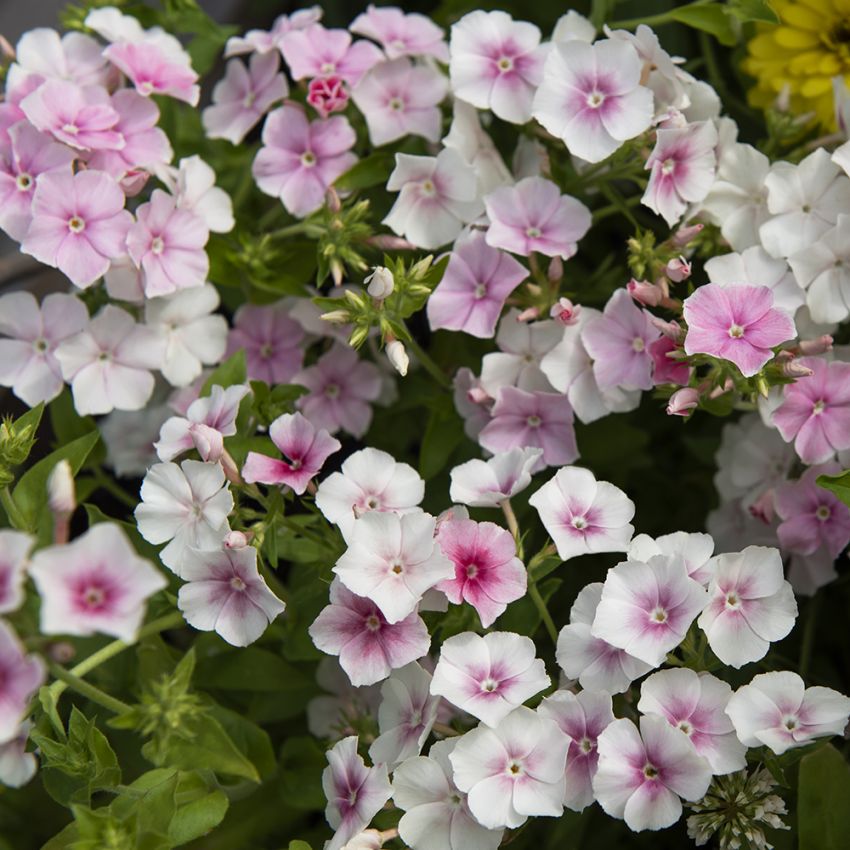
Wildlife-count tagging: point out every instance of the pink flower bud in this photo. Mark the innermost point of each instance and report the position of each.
(327, 95)
(556, 269)
(793, 369)
(528, 315)
(816, 346)
(672, 330)
(645, 293)
(390, 243)
(684, 235)
(477, 395)
(683, 401)
(678, 269)
(565, 311)
(764, 507)
(208, 441)
(61, 652)
(235, 540)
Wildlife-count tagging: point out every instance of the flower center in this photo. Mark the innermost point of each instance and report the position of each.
(650, 771)
(480, 290)
(145, 87)
(372, 503)
(658, 615)
(790, 722)
(533, 421)
(818, 407)
(668, 166)
(93, 597)
(514, 768)
(76, 224)
(823, 513)
(396, 104)
(398, 569)
(686, 727)
(532, 232)
(372, 623)
(736, 331)
(328, 67)
(489, 685)
(428, 188)
(237, 584)
(505, 64)
(638, 344)
(471, 570)
(308, 159)
(266, 350)
(103, 356)
(585, 745)
(595, 99)
(332, 391)
(70, 129)
(732, 600)
(157, 245)
(579, 522)
(40, 345)
(23, 182)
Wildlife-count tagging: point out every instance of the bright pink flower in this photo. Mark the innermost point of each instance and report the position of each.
(305, 449)
(401, 34)
(155, 69)
(327, 95)
(488, 574)
(300, 159)
(319, 52)
(79, 224)
(736, 323)
(532, 419)
(21, 676)
(668, 370)
(815, 414)
(244, 96)
(367, 645)
(167, 244)
(533, 215)
(474, 287)
(341, 386)
(14, 551)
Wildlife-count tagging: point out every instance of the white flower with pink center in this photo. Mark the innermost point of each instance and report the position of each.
(14, 551)
(751, 605)
(21, 675)
(514, 771)
(778, 711)
(695, 549)
(401, 34)
(17, 766)
(488, 676)
(96, 584)
(487, 483)
(642, 776)
(695, 703)
(584, 515)
(264, 41)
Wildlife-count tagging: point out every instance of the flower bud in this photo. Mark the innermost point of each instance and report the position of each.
(645, 293)
(380, 283)
(478, 395)
(672, 330)
(816, 346)
(397, 356)
(337, 317)
(327, 95)
(369, 839)
(764, 507)
(678, 269)
(684, 235)
(565, 311)
(528, 315)
(235, 540)
(208, 441)
(390, 243)
(61, 495)
(556, 269)
(795, 369)
(683, 401)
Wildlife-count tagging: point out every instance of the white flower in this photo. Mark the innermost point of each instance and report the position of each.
(381, 283)
(485, 484)
(193, 185)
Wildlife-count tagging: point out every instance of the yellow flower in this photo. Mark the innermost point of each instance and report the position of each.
(802, 54)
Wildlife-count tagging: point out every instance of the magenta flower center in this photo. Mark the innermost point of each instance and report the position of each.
(146, 87)
(40, 345)
(732, 600)
(585, 745)
(489, 685)
(266, 350)
(248, 102)
(428, 188)
(372, 623)
(736, 331)
(397, 568)
(685, 727)
(70, 129)
(92, 597)
(480, 290)
(471, 570)
(76, 224)
(595, 99)
(668, 166)
(823, 513)
(650, 771)
(24, 182)
(790, 722)
(328, 67)
(332, 391)
(532, 232)
(579, 523)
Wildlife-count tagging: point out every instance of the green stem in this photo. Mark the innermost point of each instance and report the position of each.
(540, 604)
(812, 611)
(75, 683)
(430, 366)
(104, 482)
(295, 230)
(13, 512)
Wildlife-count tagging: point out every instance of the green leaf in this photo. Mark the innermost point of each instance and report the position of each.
(443, 434)
(752, 10)
(299, 845)
(838, 484)
(823, 806)
(302, 761)
(232, 371)
(66, 423)
(250, 739)
(708, 17)
(373, 170)
(249, 670)
(197, 818)
(31, 419)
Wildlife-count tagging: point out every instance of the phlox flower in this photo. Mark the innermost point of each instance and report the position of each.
(496, 63)
(581, 717)
(225, 593)
(327, 95)
(355, 793)
(642, 775)
(79, 224)
(573, 27)
(487, 483)
(96, 584)
(300, 159)
(736, 323)
(14, 551)
(333, 713)
(315, 51)
(183, 506)
(750, 605)
(596, 664)
(305, 449)
(695, 703)
(533, 215)
(815, 411)
(647, 607)
(471, 401)
(487, 573)
(591, 97)
(264, 41)
(514, 771)
(665, 369)
(437, 815)
(108, 363)
(369, 647)
(244, 96)
(488, 676)
(17, 766)
(695, 549)
(808, 573)
(401, 34)
(582, 514)
(129, 439)
(777, 710)
(22, 675)
(28, 360)
(193, 185)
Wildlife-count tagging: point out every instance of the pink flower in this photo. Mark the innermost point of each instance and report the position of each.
(225, 593)
(485, 484)
(641, 776)
(496, 63)
(155, 67)
(95, 585)
(683, 402)
(27, 154)
(305, 448)
(244, 96)
(523, 419)
(14, 551)
(300, 159)
(736, 323)
(474, 287)
(28, 361)
(668, 370)
(399, 98)
(355, 793)
(618, 341)
(271, 342)
(263, 41)
(21, 676)
(327, 95)
(401, 34)
(79, 224)
(683, 165)
(591, 97)
(367, 645)
(815, 413)
(487, 573)
(533, 215)
(167, 244)
(340, 388)
(695, 549)
(319, 52)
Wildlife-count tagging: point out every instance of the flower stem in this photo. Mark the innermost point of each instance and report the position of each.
(13, 512)
(75, 683)
(445, 730)
(540, 604)
(510, 517)
(430, 366)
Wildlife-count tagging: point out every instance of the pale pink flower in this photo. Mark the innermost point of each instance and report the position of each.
(474, 287)
(28, 360)
(581, 717)
(533, 215)
(327, 95)
(264, 41)
(695, 549)
(355, 793)
(591, 97)
(157, 65)
(17, 766)
(336, 711)
(648, 607)
(21, 676)
(369, 647)
(79, 224)
(808, 573)
(736, 323)
(96, 584)
(485, 484)
(777, 710)
(193, 185)
(488, 676)
(583, 515)
(471, 401)
(696, 704)
(300, 158)
(401, 34)
(341, 387)
(750, 605)
(244, 96)
(641, 776)
(225, 593)
(514, 771)
(14, 551)
(496, 63)
(319, 52)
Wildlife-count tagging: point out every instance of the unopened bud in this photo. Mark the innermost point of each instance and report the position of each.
(764, 508)
(355, 299)
(645, 293)
(556, 269)
(678, 269)
(208, 441)
(528, 315)
(358, 336)
(398, 356)
(380, 283)
(795, 369)
(565, 311)
(672, 330)
(685, 235)
(816, 346)
(235, 540)
(783, 99)
(337, 317)
(61, 495)
(420, 269)
(762, 387)
(390, 243)
(683, 401)
(61, 652)
(478, 395)
(337, 272)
